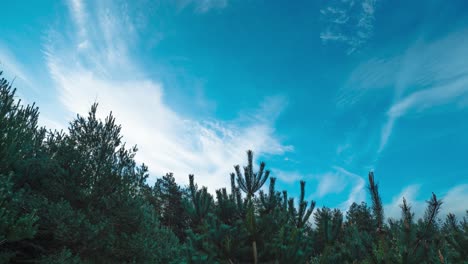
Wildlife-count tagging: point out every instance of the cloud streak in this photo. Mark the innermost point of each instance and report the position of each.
(12, 67)
(203, 6)
(358, 192)
(424, 76)
(432, 75)
(348, 22)
(450, 92)
(337, 181)
(288, 177)
(170, 142)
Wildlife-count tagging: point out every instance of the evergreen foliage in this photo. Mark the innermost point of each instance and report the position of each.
(80, 197)
(171, 205)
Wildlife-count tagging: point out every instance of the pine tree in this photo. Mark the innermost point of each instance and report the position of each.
(456, 235)
(358, 232)
(250, 183)
(285, 229)
(377, 208)
(79, 197)
(271, 200)
(173, 213)
(202, 202)
(20, 140)
(380, 247)
(301, 216)
(15, 224)
(329, 228)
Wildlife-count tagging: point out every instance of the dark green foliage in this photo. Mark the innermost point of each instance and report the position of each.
(328, 224)
(377, 208)
(19, 137)
(251, 182)
(359, 215)
(80, 197)
(16, 224)
(456, 235)
(201, 202)
(74, 197)
(358, 231)
(271, 200)
(300, 216)
(380, 248)
(286, 230)
(170, 204)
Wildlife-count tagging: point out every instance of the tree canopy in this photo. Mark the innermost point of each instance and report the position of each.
(79, 196)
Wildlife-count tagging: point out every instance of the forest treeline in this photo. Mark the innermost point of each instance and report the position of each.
(79, 197)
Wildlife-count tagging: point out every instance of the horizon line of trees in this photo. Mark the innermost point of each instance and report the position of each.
(80, 197)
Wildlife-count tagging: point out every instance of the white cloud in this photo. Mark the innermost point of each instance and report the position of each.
(443, 78)
(287, 176)
(330, 183)
(168, 141)
(393, 210)
(348, 22)
(344, 151)
(357, 195)
(425, 75)
(13, 69)
(203, 6)
(450, 92)
(206, 5)
(76, 8)
(343, 147)
(454, 201)
(372, 75)
(358, 192)
(337, 181)
(386, 132)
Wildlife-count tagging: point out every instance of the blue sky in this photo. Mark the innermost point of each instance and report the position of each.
(321, 90)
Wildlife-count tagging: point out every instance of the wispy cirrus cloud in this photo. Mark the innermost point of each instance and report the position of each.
(358, 191)
(11, 66)
(329, 183)
(371, 76)
(432, 75)
(453, 91)
(337, 181)
(203, 6)
(348, 22)
(77, 10)
(105, 71)
(426, 75)
(450, 91)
